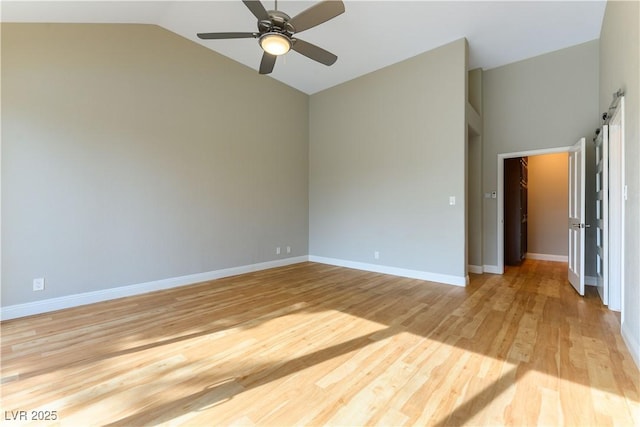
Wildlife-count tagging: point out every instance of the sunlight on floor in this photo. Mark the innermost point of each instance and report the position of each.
(241, 351)
(346, 348)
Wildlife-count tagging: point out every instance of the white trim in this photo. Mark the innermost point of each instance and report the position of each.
(500, 198)
(590, 281)
(493, 269)
(632, 344)
(394, 271)
(475, 269)
(59, 303)
(547, 257)
(622, 224)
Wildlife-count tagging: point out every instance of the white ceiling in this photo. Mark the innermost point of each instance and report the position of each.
(368, 36)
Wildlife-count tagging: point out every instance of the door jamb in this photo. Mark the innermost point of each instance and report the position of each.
(500, 192)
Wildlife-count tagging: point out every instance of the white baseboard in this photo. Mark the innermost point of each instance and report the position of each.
(475, 269)
(632, 344)
(493, 269)
(547, 257)
(590, 281)
(394, 271)
(59, 303)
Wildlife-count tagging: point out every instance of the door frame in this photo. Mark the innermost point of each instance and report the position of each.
(500, 193)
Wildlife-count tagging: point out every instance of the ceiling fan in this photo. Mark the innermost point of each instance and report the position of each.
(276, 32)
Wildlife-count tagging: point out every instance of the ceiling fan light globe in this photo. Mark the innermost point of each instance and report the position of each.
(275, 43)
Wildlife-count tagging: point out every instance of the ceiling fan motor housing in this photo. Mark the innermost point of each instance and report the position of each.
(278, 22)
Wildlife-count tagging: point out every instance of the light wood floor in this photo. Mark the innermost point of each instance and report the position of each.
(311, 344)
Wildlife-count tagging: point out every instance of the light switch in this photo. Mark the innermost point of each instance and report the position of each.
(452, 200)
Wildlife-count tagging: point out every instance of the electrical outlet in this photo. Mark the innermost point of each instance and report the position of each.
(277, 250)
(38, 284)
(288, 249)
(376, 255)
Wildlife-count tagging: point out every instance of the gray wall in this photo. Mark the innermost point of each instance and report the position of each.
(386, 152)
(130, 154)
(548, 204)
(543, 102)
(619, 69)
(474, 200)
(474, 174)
(475, 89)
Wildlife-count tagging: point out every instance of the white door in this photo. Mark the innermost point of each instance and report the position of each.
(576, 215)
(616, 207)
(602, 214)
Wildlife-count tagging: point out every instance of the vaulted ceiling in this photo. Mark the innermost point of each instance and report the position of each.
(368, 36)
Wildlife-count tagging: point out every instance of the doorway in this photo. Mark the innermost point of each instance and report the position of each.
(536, 227)
(616, 286)
(501, 202)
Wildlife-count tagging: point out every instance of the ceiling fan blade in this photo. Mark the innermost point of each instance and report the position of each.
(257, 9)
(317, 14)
(313, 52)
(267, 63)
(210, 36)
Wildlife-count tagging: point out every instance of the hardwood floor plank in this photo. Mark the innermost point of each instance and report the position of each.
(312, 344)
